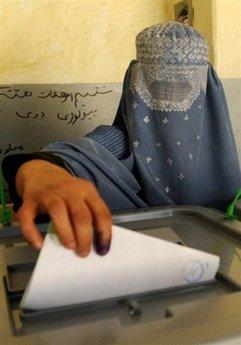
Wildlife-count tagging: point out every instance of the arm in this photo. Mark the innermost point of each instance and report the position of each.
(43, 185)
(35, 181)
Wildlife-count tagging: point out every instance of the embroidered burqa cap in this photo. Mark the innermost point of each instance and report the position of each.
(171, 43)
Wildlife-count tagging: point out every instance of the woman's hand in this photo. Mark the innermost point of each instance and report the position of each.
(73, 204)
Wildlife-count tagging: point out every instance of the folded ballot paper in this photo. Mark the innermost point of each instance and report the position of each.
(137, 263)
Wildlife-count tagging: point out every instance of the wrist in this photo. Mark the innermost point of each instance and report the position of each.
(34, 171)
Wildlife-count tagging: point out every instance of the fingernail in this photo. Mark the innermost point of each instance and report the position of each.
(102, 246)
(83, 255)
(38, 245)
(70, 245)
(103, 249)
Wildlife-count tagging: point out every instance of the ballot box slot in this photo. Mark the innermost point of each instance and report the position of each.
(132, 306)
(147, 307)
(152, 305)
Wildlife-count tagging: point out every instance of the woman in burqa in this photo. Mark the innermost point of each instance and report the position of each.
(171, 142)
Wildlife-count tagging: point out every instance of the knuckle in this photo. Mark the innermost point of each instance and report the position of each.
(22, 212)
(53, 204)
(81, 216)
(26, 232)
(45, 200)
(85, 241)
(85, 219)
(66, 185)
(104, 215)
(90, 188)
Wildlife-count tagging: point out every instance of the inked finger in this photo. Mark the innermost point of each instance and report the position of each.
(102, 224)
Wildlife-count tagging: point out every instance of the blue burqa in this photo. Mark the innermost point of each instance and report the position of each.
(171, 142)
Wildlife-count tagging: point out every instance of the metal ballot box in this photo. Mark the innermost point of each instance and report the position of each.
(198, 314)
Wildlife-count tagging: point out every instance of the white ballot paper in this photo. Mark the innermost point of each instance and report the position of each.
(136, 263)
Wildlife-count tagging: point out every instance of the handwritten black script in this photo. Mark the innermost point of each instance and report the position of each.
(11, 93)
(74, 97)
(10, 148)
(71, 118)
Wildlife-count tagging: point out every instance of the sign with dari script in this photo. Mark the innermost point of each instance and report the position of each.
(32, 116)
